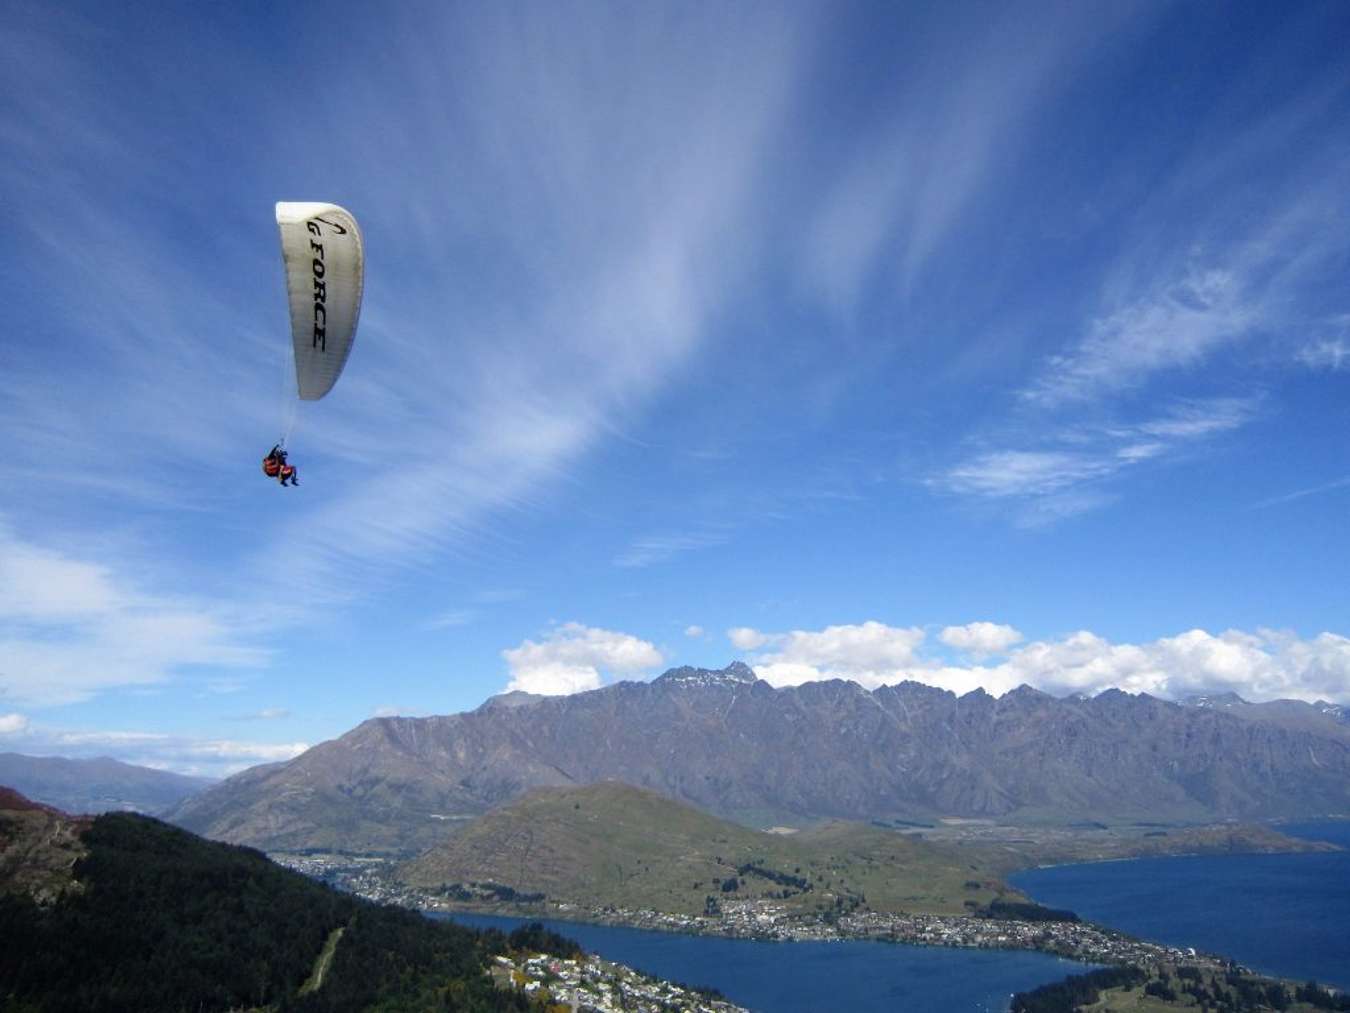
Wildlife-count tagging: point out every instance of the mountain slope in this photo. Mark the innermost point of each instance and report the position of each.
(95, 786)
(39, 847)
(612, 844)
(734, 746)
(164, 920)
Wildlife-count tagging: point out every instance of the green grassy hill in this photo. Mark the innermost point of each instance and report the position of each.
(612, 844)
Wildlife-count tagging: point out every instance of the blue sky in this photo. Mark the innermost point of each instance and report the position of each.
(977, 345)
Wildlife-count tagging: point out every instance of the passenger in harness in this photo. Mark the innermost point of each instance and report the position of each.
(274, 466)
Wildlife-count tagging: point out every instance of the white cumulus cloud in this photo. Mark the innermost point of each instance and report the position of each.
(1265, 665)
(1258, 666)
(693, 631)
(869, 653)
(572, 658)
(745, 638)
(13, 724)
(981, 639)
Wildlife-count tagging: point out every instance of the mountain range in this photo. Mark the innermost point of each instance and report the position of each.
(732, 745)
(97, 785)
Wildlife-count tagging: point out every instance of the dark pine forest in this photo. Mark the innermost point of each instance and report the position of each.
(169, 921)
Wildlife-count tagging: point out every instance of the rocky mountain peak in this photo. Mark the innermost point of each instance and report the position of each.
(1334, 710)
(515, 698)
(1215, 700)
(1024, 697)
(737, 673)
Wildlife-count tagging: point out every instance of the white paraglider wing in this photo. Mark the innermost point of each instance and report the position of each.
(325, 271)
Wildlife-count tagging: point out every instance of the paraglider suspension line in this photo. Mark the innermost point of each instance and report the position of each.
(290, 403)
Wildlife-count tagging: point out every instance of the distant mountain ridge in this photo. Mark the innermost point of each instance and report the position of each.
(98, 785)
(1290, 712)
(731, 744)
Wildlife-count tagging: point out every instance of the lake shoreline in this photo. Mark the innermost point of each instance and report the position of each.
(1080, 941)
(812, 976)
(1274, 912)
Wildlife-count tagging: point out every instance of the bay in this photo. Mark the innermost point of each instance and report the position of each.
(817, 977)
(1283, 915)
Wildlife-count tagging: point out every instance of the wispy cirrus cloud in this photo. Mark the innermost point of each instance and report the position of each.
(1327, 353)
(579, 259)
(1178, 325)
(1027, 472)
(266, 714)
(950, 128)
(1194, 419)
(607, 252)
(71, 628)
(1062, 459)
(483, 602)
(1214, 286)
(452, 619)
(654, 549)
(1072, 471)
(1299, 494)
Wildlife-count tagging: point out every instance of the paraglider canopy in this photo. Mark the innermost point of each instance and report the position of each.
(325, 272)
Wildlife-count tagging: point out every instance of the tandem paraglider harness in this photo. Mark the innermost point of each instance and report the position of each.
(274, 466)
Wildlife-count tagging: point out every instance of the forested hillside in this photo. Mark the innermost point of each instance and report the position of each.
(164, 920)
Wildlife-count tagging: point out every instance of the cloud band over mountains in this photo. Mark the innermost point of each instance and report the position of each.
(1262, 665)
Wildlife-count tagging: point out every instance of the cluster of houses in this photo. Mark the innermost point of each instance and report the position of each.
(365, 876)
(765, 919)
(1079, 940)
(593, 985)
(759, 919)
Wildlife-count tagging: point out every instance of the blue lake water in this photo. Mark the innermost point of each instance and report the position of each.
(818, 977)
(1285, 915)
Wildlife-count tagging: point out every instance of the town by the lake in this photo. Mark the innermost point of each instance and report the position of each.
(767, 920)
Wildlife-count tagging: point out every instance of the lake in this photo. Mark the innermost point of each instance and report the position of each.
(1283, 915)
(817, 977)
